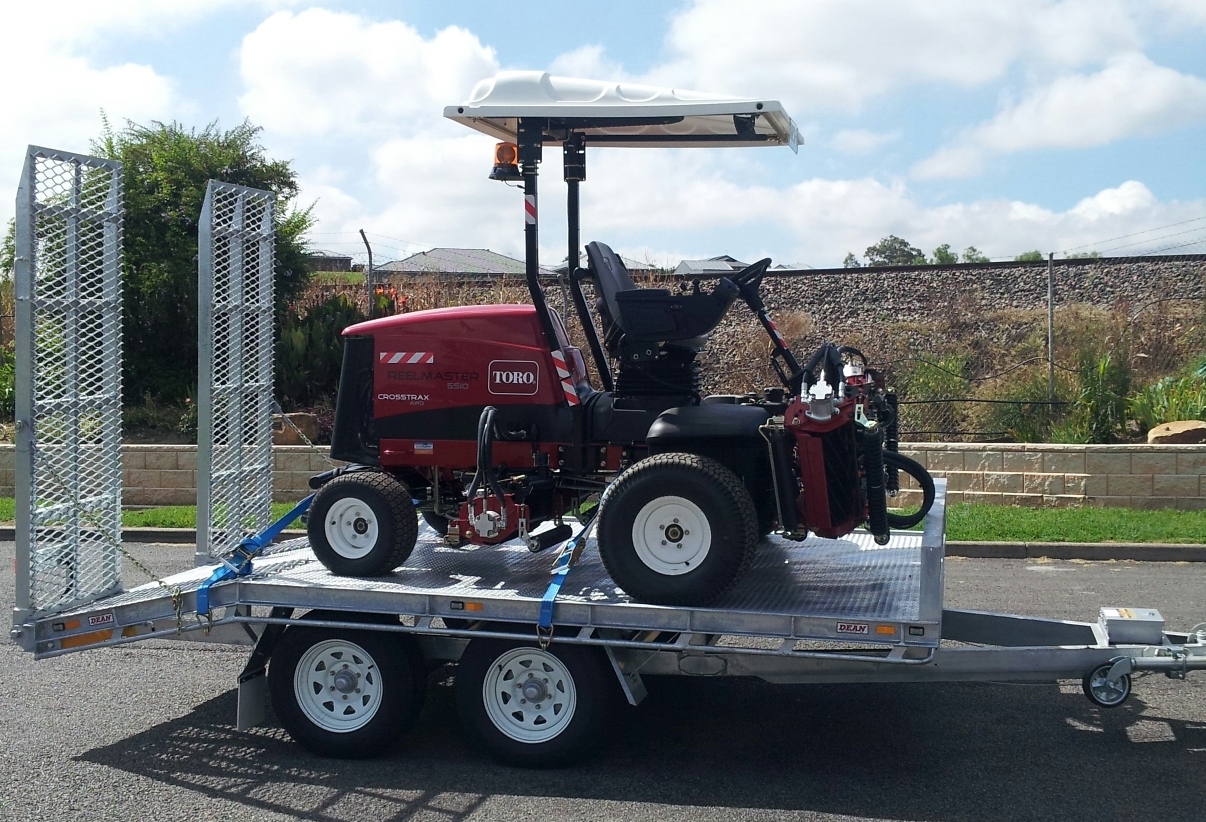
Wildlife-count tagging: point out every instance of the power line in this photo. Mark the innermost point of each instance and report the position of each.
(1136, 234)
(1154, 239)
(1169, 248)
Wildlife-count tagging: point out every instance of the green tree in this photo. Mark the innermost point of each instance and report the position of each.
(944, 256)
(1035, 256)
(851, 261)
(971, 254)
(892, 250)
(8, 250)
(166, 168)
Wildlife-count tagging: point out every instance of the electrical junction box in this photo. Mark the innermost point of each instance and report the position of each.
(1133, 626)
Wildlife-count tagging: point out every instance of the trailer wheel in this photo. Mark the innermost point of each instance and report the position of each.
(532, 707)
(1103, 693)
(345, 693)
(677, 529)
(362, 524)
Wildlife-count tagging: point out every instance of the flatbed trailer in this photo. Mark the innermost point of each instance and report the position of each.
(821, 610)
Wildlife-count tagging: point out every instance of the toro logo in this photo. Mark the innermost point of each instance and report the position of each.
(859, 628)
(516, 377)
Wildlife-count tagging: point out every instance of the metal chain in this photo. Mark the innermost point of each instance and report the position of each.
(176, 593)
(276, 409)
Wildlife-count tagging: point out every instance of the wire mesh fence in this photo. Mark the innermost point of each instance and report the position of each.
(967, 346)
(68, 379)
(234, 437)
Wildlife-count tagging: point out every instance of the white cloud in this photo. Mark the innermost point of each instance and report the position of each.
(860, 141)
(844, 54)
(818, 221)
(330, 74)
(1130, 97)
(1130, 197)
(358, 104)
(587, 61)
(56, 91)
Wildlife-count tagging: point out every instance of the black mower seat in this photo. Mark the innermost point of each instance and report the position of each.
(652, 314)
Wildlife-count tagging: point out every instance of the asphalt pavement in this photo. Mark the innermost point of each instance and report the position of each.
(147, 732)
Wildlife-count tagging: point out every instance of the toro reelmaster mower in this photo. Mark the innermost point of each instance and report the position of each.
(483, 418)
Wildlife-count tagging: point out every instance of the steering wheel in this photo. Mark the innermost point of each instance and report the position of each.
(749, 279)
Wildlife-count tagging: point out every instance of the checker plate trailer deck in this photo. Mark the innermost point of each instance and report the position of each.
(541, 653)
(350, 656)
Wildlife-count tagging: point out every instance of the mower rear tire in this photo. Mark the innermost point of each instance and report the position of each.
(438, 522)
(362, 524)
(677, 529)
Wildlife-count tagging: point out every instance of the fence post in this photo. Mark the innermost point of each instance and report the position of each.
(368, 278)
(1051, 326)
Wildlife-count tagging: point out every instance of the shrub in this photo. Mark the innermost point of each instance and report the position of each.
(310, 352)
(8, 397)
(1169, 400)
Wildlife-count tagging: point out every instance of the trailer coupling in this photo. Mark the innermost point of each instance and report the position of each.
(1174, 662)
(1109, 684)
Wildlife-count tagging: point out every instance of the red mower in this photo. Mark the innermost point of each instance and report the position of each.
(485, 421)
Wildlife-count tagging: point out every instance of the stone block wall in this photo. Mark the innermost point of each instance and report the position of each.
(1130, 476)
(1134, 476)
(167, 474)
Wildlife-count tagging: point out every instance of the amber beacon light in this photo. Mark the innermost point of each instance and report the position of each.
(506, 162)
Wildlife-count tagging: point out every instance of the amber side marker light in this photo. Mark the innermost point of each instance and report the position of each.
(506, 163)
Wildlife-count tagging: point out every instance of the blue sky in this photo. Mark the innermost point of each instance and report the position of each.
(1008, 126)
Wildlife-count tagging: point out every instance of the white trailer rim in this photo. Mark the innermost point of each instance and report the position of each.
(529, 695)
(671, 535)
(338, 686)
(351, 528)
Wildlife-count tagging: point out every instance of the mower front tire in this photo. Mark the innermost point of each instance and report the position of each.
(362, 524)
(677, 529)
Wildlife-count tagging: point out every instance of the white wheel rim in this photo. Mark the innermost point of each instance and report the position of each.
(529, 695)
(671, 535)
(351, 528)
(338, 686)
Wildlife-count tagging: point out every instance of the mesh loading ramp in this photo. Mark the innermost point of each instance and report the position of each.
(835, 591)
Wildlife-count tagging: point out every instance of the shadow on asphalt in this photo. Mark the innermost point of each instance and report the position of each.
(931, 752)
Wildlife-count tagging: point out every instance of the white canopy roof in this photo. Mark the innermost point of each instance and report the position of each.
(622, 114)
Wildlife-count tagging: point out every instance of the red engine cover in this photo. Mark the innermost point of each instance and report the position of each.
(452, 357)
(429, 365)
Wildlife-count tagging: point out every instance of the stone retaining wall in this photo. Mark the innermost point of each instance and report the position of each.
(1129, 476)
(1136, 476)
(167, 474)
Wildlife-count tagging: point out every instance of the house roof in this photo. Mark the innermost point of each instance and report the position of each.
(319, 253)
(623, 114)
(713, 265)
(459, 261)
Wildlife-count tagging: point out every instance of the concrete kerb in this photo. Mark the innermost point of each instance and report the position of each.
(1090, 551)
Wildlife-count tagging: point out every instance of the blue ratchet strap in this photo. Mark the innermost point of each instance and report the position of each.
(239, 563)
(561, 569)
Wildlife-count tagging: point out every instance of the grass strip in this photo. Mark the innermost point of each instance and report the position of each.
(1007, 523)
(167, 516)
(975, 523)
(181, 516)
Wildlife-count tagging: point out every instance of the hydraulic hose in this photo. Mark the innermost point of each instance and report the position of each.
(892, 441)
(485, 453)
(871, 443)
(923, 479)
